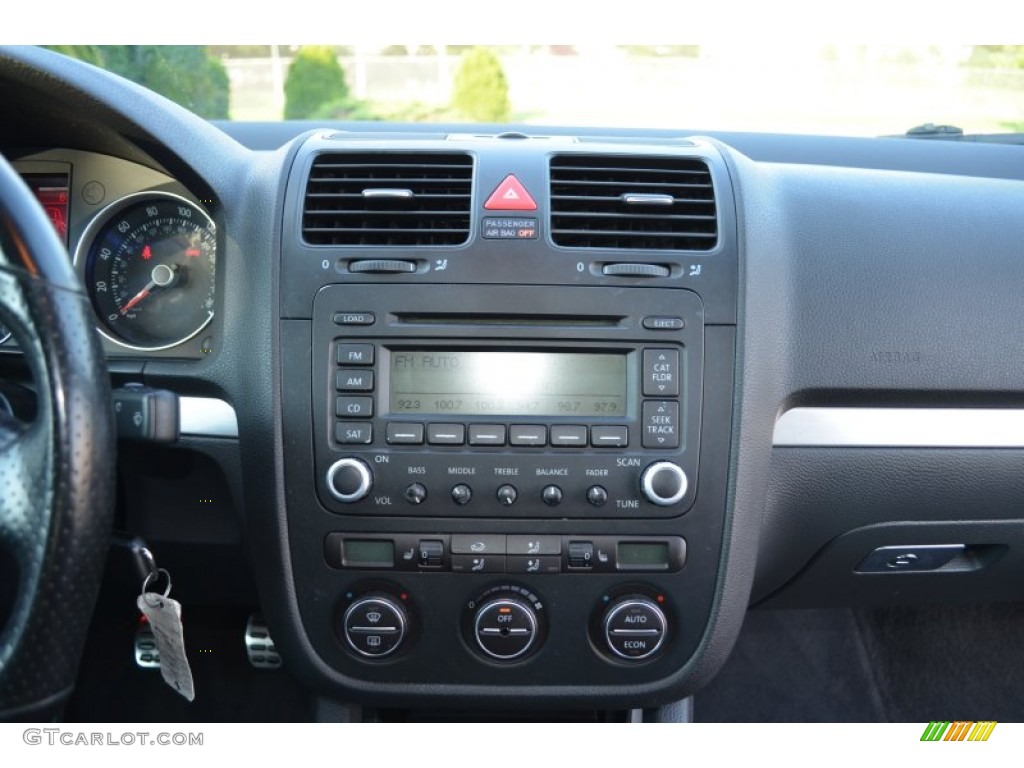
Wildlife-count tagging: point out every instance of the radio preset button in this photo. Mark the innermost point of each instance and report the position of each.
(416, 493)
(486, 434)
(660, 424)
(353, 380)
(661, 372)
(507, 495)
(552, 495)
(353, 432)
(569, 434)
(462, 494)
(609, 437)
(528, 434)
(404, 434)
(446, 434)
(354, 407)
(355, 354)
(597, 495)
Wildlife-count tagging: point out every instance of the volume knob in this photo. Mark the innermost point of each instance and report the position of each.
(349, 480)
(664, 483)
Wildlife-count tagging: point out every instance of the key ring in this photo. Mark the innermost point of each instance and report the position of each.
(153, 576)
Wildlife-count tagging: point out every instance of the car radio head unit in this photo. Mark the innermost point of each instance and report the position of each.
(505, 409)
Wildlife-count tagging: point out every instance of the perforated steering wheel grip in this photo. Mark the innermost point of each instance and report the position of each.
(56, 472)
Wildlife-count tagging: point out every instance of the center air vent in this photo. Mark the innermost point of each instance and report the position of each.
(383, 198)
(657, 203)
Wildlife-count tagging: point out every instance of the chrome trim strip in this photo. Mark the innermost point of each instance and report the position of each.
(206, 417)
(901, 428)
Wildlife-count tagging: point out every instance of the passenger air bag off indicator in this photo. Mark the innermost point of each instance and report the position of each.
(510, 195)
(509, 228)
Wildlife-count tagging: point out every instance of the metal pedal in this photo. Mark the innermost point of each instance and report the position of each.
(259, 646)
(146, 654)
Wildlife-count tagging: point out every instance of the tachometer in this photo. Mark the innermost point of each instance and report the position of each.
(149, 270)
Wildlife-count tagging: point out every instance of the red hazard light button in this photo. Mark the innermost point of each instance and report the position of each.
(510, 195)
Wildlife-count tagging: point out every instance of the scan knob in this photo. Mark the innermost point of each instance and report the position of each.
(664, 483)
(349, 480)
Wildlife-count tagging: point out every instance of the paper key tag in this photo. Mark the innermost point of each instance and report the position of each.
(164, 615)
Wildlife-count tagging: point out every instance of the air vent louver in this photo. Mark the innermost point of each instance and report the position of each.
(658, 203)
(383, 198)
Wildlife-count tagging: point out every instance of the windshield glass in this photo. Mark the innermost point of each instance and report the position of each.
(827, 89)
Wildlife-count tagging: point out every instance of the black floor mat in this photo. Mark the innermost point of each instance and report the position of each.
(793, 666)
(948, 662)
(891, 664)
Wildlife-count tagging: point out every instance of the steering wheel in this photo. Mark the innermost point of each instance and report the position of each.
(56, 471)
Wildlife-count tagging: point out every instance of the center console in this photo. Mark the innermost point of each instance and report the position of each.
(506, 459)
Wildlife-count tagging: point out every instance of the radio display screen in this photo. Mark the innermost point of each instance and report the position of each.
(473, 383)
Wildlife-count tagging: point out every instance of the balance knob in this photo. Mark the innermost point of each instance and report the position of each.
(664, 483)
(349, 480)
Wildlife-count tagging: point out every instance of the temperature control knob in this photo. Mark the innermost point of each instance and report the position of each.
(664, 483)
(349, 480)
(634, 628)
(374, 626)
(505, 623)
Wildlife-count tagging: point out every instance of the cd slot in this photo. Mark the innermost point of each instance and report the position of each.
(503, 319)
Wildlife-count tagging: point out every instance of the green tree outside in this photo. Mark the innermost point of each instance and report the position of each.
(315, 86)
(186, 74)
(481, 90)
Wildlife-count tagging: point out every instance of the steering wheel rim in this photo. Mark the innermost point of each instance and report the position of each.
(56, 473)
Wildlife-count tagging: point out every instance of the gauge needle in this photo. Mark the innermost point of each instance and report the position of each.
(138, 297)
(161, 277)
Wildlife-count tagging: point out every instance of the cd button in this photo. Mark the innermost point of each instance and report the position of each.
(446, 434)
(354, 407)
(569, 434)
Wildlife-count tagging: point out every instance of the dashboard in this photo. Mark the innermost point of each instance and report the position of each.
(518, 416)
(144, 247)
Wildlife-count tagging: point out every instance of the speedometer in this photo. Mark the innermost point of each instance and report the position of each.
(149, 269)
